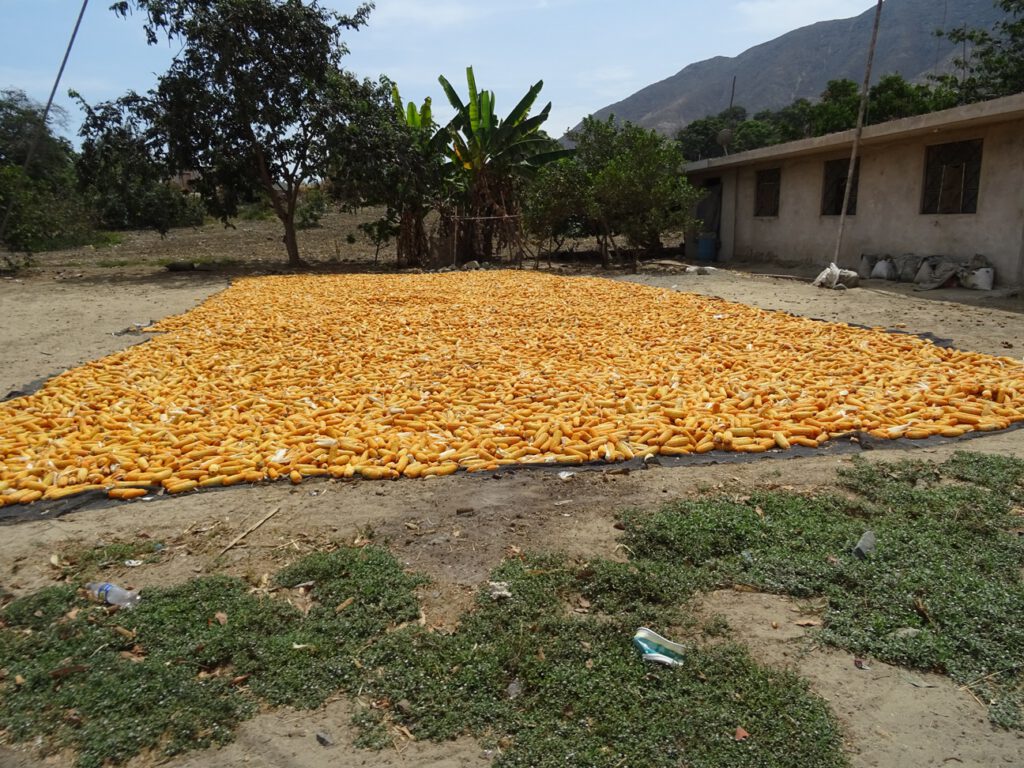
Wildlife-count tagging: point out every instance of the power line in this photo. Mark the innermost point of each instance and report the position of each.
(46, 113)
(938, 39)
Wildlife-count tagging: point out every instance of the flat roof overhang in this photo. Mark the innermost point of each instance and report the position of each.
(983, 113)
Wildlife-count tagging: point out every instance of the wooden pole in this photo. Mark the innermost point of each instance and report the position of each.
(861, 114)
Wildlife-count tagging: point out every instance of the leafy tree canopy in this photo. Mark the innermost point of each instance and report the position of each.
(491, 158)
(995, 66)
(891, 98)
(622, 181)
(407, 174)
(255, 98)
(122, 178)
(20, 121)
(38, 205)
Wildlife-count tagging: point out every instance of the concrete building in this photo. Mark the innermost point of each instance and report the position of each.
(949, 183)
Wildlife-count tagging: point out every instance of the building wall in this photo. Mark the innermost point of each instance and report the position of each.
(888, 218)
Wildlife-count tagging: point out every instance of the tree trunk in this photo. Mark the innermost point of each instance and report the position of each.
(421, 247)
(487, 248)
(285, 209)
(614, 247)
(291, 242)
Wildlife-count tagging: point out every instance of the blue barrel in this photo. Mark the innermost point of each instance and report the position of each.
(707, 247)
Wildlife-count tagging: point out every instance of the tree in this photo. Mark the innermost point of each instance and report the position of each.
(253, 98)
(629, 179)
(703, 139)
(838, 108)
(413, 181)
(642, 193)
(754, 134)
(423, 182)
(123, 180)
(793, 122)
(699, 139)
(893, 98)
(557, 204)
(39, 203)
(490, 158)
(995, 66)
(20, 120)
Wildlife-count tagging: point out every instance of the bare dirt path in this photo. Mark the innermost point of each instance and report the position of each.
(51, 324)
(456, 529)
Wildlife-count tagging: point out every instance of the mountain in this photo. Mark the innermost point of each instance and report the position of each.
(799, 64)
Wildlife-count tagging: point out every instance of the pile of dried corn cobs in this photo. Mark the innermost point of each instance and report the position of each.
(419, 375)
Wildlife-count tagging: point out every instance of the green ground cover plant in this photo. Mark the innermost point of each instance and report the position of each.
(942, 592)
(539, 683)
(542, 670)
(192, 661)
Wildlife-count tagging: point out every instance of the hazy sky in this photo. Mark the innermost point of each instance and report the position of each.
(589, 53)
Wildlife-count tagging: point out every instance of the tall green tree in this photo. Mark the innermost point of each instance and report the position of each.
(557, 205)
(40, 203)
(641, 192)
(20, 121)
(624, 181)
(892, 98)
(838, 108)
(491, 157)
(124, 182)
(254, 97)
(754, 134)
(417, 182)
(995, 66)
(793, 122)
(712, 136)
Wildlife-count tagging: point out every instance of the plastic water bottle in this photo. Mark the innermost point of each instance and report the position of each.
(111, 594)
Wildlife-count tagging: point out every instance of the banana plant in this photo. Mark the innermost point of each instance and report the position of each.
(423, 184)
(421, 122)
(414, 118)
(491, 156)
(481, 140)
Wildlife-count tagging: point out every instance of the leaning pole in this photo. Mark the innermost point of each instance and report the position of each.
(860, 129)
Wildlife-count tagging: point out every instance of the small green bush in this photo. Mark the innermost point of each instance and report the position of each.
(311, 208)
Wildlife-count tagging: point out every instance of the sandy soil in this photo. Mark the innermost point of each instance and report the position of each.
(456, 529)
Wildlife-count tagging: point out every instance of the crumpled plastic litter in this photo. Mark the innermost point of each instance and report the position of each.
(654, 647)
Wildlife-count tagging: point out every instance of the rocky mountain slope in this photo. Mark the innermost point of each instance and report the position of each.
(800, 63)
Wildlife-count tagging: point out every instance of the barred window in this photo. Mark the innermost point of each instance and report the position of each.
(952, 176)
(766, 201)
(834, 188)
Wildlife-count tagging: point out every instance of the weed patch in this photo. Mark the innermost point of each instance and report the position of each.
(942, 592)
(87, 562)
(542, 670)
(182, 669)
(545, 677)
(548, 686)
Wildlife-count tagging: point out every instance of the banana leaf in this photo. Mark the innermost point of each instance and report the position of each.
(486, 111)
(453, 97)
(515, 118)
(474, 101)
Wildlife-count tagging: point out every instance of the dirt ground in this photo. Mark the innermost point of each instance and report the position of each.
(455, 529)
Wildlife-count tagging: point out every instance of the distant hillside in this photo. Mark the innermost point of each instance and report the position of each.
(800, 63)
